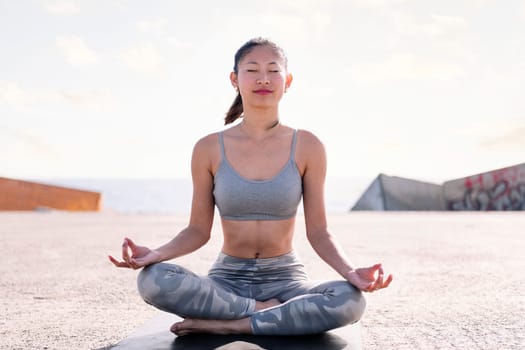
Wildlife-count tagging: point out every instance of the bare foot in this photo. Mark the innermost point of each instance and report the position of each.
(189, 326)
(261, 305)
(241, 326)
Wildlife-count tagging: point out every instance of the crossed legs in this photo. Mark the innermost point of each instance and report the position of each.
(211, 307)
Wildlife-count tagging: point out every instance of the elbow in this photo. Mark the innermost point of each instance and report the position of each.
(205, 238)
(317, 236)
(200, 235)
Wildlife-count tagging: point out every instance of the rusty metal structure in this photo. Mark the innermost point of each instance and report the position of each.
(28, 195)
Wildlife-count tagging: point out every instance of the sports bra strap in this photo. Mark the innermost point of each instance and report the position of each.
(294, 141)
(221, 142)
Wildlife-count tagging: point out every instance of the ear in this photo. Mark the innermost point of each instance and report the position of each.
(233, 80)
(289, 78)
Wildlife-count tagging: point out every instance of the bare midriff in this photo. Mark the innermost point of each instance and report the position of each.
(257, 238)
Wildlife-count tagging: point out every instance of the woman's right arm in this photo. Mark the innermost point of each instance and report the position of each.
(198, 231)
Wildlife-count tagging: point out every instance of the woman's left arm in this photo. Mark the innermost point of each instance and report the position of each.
(312, 156)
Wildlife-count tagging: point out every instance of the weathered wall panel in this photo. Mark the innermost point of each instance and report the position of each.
(398, 193)
(501, 189)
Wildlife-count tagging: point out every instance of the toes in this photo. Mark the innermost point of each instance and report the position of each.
(175, 328)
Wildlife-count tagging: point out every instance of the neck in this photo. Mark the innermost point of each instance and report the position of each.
(259, 129)
(261, 119)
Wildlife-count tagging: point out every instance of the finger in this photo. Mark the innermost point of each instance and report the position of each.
(137, 264)
(376, 284)
(123, 264)
(131, 244)
(379, 280)
(118, 263)
(372, 270)
(113, 260)
(125, 252)
(366, 273)
(370, 287)
(387, 281)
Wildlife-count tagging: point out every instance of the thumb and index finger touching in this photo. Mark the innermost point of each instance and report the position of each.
(128, 243)
(378, 278)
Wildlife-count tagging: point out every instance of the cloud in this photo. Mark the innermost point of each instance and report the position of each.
(434, 26)
(158, 27)
(24, 144)
(450, 22)
(61, 7)
(153, 26)
(32, 153)
(11, 93)
(146, 58)
(402, 66)
(510, 140)
(99, 100)
(377, 3)
(389, 147)
(75, 51)
(312, 14)
(304, 26)
(295, 23)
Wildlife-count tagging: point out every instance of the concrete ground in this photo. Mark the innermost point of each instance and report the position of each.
(459, 277)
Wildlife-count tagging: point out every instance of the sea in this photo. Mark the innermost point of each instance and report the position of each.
(174, 195)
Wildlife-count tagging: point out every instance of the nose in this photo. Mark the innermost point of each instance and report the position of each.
(263, 80)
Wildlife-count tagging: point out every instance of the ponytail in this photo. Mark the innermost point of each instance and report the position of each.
(235, 110)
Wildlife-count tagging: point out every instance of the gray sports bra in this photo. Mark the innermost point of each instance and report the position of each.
(238, 198)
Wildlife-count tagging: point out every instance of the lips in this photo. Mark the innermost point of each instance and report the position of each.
(263, 91)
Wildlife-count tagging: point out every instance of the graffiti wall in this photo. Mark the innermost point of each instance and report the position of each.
(502, 189)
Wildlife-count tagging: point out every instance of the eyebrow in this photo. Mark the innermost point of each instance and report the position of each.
(253, 62)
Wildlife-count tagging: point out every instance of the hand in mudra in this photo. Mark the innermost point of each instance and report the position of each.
(369, 279)
(140, 256)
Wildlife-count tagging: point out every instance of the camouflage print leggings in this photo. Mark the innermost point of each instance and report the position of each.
(234, 284)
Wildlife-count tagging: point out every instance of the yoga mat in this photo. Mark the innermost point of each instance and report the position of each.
(155, 335)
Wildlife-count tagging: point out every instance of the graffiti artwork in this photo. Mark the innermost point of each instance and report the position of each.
(500, 197)
(502, 189)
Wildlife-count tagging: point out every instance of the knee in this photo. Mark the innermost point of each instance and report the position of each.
(148, 287)
(355, 305)
(348, 303)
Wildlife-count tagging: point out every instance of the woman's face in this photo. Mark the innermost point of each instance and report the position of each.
(261, 77)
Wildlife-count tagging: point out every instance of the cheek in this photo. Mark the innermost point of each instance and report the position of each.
(244, 80)
(283, 80)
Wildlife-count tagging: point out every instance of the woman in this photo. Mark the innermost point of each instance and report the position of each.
(255, 172)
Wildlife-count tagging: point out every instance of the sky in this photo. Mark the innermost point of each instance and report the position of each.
(431, 90)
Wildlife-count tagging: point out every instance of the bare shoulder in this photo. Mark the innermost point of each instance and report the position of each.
(309, 142)
(207, 145)
(207, 148)
(207, 141)
(310, 152)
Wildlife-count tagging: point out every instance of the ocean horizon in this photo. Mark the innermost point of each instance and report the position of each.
(174, 195)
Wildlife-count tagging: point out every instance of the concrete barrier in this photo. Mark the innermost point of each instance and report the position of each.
(26, 195)
(397, 193)
(501, 189)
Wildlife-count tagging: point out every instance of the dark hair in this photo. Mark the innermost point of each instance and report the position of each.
(236, 108)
